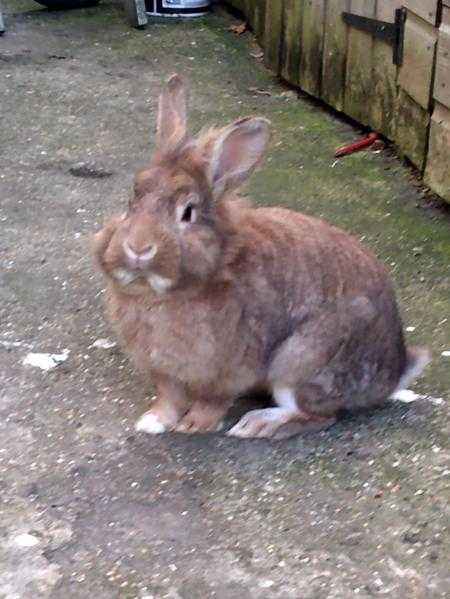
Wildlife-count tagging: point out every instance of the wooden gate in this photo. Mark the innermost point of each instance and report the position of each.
(308, 44)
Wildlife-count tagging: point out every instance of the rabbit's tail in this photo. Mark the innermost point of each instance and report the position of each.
(417, 358)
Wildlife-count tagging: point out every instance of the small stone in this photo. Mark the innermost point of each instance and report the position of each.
(411, 536)
(266, 584)
(30, 490)
(61, 534)
(103, 344)
(352, 539)
(89, 171)
(288, 94)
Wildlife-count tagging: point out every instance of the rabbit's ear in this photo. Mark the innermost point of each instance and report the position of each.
(172, 113)
(236, 152)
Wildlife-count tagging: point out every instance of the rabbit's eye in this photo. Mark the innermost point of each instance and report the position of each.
(187, 214)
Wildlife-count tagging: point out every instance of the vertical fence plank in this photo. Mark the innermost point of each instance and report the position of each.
(259, 20)
(246, 8)
(273, 34)
(385, 72)
(251, 11)
(427, 9)
(335, 53)
(291, 50)
(414, 79)
(359, 89)
(312, 46)
(238, 5)
(437, 174)
(442, 80)
(412, 129)
(415, 74)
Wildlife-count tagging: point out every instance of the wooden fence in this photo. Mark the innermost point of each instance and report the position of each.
(308, 43)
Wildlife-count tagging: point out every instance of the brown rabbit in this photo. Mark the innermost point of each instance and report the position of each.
(213, 298)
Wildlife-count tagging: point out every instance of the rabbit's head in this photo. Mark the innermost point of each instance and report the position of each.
(179, 220)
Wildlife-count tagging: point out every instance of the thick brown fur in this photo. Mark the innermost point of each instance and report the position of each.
(243, 297)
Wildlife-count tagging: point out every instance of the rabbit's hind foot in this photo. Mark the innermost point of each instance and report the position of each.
(278, 423)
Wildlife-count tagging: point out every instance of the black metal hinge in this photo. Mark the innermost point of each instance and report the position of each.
(392, 33)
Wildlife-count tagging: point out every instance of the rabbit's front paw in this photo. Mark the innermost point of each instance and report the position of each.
(150, 423)
(202, 418)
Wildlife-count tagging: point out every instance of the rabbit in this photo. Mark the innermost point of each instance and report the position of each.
(213, 298)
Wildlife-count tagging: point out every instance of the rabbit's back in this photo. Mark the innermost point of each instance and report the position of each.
(293, 263)
(305, 272)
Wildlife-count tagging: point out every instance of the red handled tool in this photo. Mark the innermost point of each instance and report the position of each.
(357, 145)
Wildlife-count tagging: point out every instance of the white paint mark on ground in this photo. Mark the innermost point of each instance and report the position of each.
(410, 329)
(45, 361)
(12, 344)
(446, 353)
(104, 344)
(436, 401)
(25, 540)
(408, 396)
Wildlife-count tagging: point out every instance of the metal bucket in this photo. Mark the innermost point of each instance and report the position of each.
(177, 8)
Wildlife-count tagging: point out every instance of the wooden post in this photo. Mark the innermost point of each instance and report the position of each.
(359, 89)
(442, 80)
(312, 46)
(415, 79)
(335, 54)
(136, 12)
(291, 46)
(385, 97)
(437, 173)
(416, 72)
(273, 34)
(412, 129)
(259, 20)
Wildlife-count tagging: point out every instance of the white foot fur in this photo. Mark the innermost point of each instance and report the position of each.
(285, 398)
(149, 423)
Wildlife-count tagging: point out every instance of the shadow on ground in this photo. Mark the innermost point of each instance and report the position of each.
(89, 509)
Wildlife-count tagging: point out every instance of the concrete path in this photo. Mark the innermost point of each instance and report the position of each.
(91, 510)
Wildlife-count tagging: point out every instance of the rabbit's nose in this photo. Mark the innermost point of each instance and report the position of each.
(139, 259)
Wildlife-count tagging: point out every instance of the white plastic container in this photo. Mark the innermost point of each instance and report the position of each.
(177, 8)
